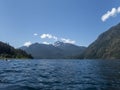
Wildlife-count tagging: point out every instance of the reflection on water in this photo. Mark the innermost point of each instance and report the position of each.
(60, 75)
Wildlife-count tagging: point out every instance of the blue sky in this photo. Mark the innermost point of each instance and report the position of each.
(74, 21)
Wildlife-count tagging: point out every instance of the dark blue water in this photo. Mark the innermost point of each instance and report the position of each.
(60, 75)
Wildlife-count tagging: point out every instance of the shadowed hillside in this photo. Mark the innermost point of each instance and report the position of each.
(7, 51)
(107, 46)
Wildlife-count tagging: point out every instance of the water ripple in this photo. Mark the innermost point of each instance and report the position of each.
(60, 75)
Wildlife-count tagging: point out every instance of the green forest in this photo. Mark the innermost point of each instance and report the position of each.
(7, 51)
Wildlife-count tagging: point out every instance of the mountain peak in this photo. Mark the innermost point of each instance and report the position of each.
(34, 44)
(118, 24)
(58, 43)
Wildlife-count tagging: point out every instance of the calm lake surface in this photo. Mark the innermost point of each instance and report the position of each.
(60, 75)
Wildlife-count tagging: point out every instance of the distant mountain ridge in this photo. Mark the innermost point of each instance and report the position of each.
(57, 50)
(107, 46)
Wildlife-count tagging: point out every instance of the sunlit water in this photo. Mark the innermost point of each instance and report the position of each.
(60, 75)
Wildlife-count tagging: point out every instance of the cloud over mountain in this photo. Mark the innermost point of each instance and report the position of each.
(49, 36)
(27, 44)
(50, 39)
(46, 43)
(67, 41)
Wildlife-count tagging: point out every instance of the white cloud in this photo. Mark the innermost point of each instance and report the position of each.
(111, 13)
(67, 41)
(54, 37)
(49, 36)
(46, 36)
(46, 43)
(27, 44)
(35, 34)
(118, 9)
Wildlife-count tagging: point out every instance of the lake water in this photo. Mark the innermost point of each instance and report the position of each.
(60, 75)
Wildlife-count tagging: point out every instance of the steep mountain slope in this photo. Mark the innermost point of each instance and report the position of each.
(69, 49)
(58, 50)
(7, 51)
(107, 46)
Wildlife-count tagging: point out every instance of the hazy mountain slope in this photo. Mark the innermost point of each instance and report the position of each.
(107, 46)
(58, 50)
(69, 49)
(43, 51)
